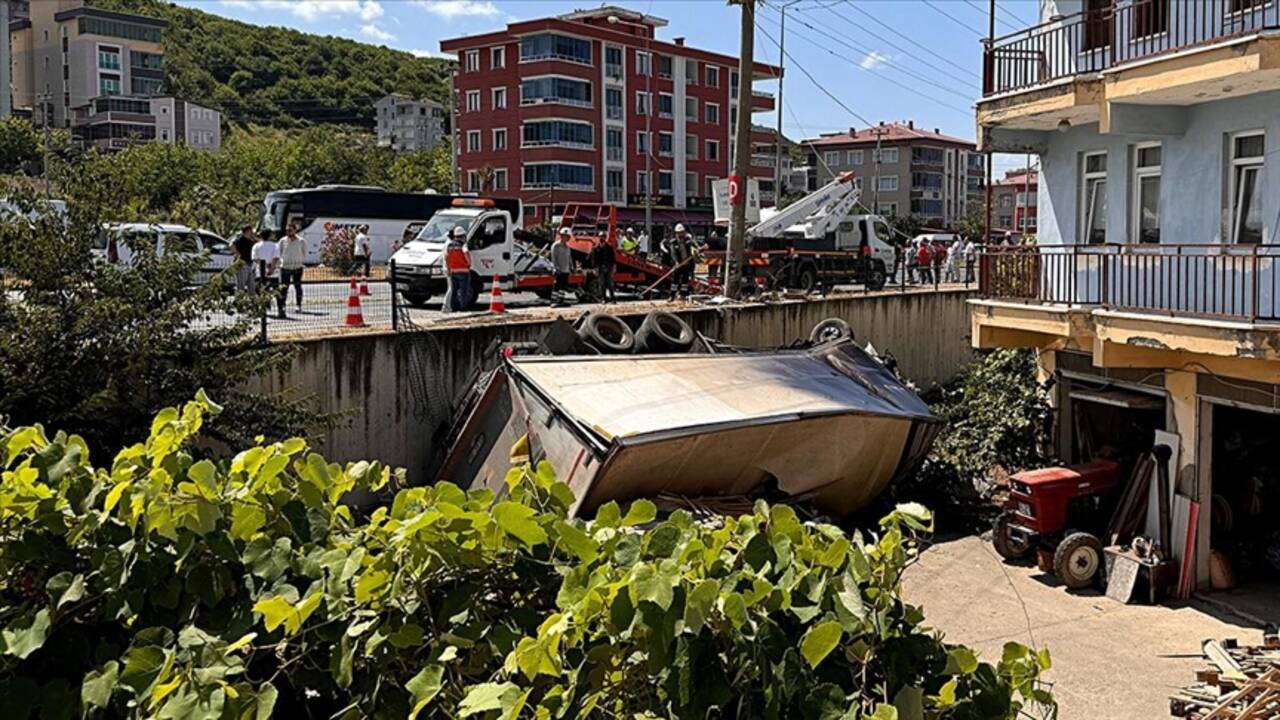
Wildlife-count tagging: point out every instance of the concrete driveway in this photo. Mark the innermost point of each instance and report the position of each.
(1110, 661)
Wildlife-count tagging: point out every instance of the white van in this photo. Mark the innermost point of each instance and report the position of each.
(117, 242)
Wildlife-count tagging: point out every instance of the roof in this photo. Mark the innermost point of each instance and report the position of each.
(888, 133)
(606, 11)
(1018, 179)
(110, 15)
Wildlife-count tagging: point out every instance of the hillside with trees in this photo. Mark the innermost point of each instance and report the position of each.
(278, 76)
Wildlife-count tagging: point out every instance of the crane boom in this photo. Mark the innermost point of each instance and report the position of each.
(815, 212)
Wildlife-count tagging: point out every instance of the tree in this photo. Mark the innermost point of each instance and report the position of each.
(97, 348)
(906, 226)
(974, 224)
(19, 146)
(175, 587)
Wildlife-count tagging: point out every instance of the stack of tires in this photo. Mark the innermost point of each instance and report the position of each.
(659, 333)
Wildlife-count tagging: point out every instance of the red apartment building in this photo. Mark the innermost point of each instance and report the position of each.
(554, 110)
(1013, 201)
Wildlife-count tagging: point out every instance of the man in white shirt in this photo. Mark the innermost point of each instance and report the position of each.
(293, 259)
(266, 261)
(363, 248)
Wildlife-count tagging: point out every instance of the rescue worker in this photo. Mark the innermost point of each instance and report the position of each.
(457, 263)
(682, 252)
(630, 243)
(603, 261)
(562, 260)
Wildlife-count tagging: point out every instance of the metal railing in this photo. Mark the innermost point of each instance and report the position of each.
(1103, 38)
(1233, 282)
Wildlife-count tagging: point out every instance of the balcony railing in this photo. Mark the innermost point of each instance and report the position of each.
(1234, 282)
(1097, 40)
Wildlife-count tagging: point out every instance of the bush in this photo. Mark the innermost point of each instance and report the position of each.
(337, 250)
(171, 587)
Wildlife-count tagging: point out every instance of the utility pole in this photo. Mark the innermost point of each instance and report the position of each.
(782, 56)
(741, 151)
(991, 36)
(455, 148)
(879, 132)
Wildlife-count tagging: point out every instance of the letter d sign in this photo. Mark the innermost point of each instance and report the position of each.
(735, 190)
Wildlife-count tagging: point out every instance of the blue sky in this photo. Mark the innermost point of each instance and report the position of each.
(880, 59)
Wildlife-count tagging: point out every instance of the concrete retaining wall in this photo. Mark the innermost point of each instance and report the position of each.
(400, 386)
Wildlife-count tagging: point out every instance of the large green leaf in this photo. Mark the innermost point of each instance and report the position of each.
(26, 633)
(517, 520)
(424, 687)
(488, 696)
(98, 685)
(819, 641)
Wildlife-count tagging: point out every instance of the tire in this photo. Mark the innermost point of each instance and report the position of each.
(606, 333)
(1007, 546)
(808, 279)
(876, 277)
(1078, 560)
(417, 300)
(830, 330)
(664, 332)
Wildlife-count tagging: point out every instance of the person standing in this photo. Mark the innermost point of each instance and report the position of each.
(970, 256)
(242, 246)
(630, 245)
(924, 262)
(293, 259)
(682, 258)
(643, 239)
(363, 248)
(603, 259)
(562, 261)
(955, 256)
(266, 258)
(458, 263)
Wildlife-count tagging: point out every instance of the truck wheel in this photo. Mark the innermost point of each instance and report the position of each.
(663, 332)
(1077, 560)
(830, 330)
(1007, 545)
(808, 280)
(417, 300)
(876, 277)
(606, 333)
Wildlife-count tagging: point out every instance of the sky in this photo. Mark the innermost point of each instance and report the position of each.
(849, 62)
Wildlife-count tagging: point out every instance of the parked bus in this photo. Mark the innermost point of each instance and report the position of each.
(393, 218)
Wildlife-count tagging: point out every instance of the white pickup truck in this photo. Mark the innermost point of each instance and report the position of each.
(419, 264)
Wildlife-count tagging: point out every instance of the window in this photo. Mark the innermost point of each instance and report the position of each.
(549, 46)
(555, 89)
(642, 143)
(644, 103)
(888, 209)
(926, 181)
(925, 155)
(888, 183)
(499, 138)
(713, 76)
(854, 157)
(1151, 17)
(1247, 154)
(473, 101)
(831, 158)
(473, 181)
(613, 62)
(613, 186)
(146, 86)
(499, 98)
(472, 58)
(116, 28)
(108, 84)
(888, 156)
(1243, 5)
(1006, 201)
(613, 103)
(712, 111)
(644, 63)
(108, 58)
(664, 144)
(733, 84)
(1093, 198)
(664, 67)
(713, 150)
(691, 184)
(642, 182)
(666, 105)
(497, 58)
(691, 147)
(691, 73)
(664, 182)
(1097, 26)
(559, 175)
(558, 133)
(613, 143)
(473, 141)
(927, 208)
(691, 109)
(1146, 193)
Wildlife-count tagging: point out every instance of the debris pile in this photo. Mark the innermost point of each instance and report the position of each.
(1243, 683)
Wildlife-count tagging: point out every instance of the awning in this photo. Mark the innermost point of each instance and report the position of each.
(1120, 398)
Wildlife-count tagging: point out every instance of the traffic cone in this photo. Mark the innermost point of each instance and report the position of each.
(355, 318)
(496, 306)
(364, 287)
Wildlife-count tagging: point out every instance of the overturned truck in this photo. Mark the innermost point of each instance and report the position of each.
(823, 419)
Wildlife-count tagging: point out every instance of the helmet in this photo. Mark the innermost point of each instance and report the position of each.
(631, 230)
(458, 232)
(564, 231)
(679, 227)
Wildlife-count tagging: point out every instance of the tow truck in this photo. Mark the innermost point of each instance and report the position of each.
(817, 242)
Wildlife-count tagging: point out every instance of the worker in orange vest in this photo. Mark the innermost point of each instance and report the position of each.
(457, 263)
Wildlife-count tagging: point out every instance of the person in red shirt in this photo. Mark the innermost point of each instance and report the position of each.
(924, 262)
(939, 259)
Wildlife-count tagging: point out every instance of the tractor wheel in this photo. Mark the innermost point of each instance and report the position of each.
(808, 280)
(1077, 560)
(1008, 546)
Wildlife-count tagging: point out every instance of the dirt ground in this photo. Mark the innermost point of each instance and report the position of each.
(1110, 661)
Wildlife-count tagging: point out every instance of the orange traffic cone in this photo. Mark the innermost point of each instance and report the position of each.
(355, 318)
(496, 306)
(364, 287)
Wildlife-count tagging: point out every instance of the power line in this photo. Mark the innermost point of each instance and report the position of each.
(796, 64)
(901, 49)
(908, 88)
(954, 19)
(893, 30)
(983, 12)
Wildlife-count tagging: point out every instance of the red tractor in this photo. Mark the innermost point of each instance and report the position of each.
(1062, 511)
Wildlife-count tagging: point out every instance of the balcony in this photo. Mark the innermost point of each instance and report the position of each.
(763, 160)
(1213, 282)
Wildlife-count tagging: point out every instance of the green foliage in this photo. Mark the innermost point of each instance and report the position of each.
(279, 76)
(19, 146)
(974, 224)
(906, 226)
(167, 586)
(98, 349)
(995, 417)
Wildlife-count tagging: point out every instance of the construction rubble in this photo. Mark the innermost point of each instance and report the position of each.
(1241, 683)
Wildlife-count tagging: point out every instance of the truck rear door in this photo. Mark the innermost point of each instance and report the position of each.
(490, 245)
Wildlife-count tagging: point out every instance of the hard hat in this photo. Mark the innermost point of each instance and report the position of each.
(458, 231)
(679, 227)
(564, 231)
(631, 229)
